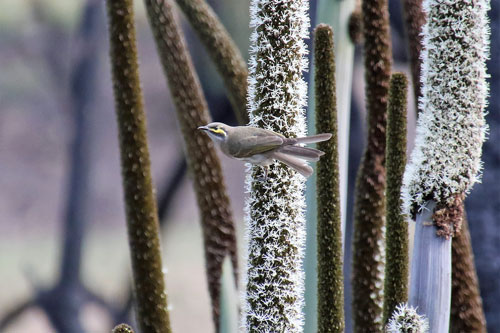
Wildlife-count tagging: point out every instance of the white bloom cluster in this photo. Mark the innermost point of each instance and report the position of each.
(277, 94)
(405, 319)
(451, 129)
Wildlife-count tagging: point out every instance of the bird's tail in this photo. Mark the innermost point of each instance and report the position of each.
(306, 153)
(295, 163)
(313, 138)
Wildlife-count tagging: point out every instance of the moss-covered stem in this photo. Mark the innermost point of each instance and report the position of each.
(330, 251)
(369, 206)
(430, 278)
(192, 112)
(140, 203)
(414, 20)
(223, 51)
(467, 313)
(396, 245)
(335, 13)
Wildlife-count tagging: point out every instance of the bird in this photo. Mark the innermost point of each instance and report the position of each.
(262, 147)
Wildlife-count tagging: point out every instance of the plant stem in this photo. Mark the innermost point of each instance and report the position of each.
(369, 207)
(414, 20)
(396, 269)
(275, 208)
(430, 278)
(140, 203)
(467, 313)
(223, 51)
(330, 251)
(192, 111)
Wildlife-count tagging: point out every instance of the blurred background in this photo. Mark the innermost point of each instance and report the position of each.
(62, 225)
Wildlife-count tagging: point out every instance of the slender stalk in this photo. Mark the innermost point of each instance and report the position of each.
(396, 246)
(369, 207)
(336, 13)
(192, 111)
(140, 203)
(330, 251)
(467, 313)
(223, 51)
(275, 208)
(414, 20)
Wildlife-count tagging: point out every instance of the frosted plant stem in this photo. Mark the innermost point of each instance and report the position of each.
(446, 160)
(275, 208)
(430, 282)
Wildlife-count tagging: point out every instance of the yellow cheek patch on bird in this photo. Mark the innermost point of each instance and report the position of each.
(218, 131)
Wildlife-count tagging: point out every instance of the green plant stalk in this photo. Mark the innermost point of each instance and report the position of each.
(336, 13)
(223, 51)
(396, 245)
(140, 203)
(369, 202)
(466, 313)
(330, 251)
(192, 111)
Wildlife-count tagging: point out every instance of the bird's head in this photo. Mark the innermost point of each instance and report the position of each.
(216, 131)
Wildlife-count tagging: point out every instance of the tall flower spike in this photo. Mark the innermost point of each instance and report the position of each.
(396, 249)
(140, 203)
(223, 51)
(369, 202)
(275, 208)
(414, 20)
(446, 160)
(219, 235)
(329, 237)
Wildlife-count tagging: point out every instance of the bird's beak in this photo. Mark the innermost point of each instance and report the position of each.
(203, 128)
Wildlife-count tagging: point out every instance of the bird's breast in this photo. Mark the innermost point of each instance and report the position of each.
(259, 159)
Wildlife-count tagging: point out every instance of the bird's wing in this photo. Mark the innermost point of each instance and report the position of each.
(255, 144)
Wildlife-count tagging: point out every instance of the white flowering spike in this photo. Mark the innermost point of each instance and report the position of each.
(273, 298)
(405, 319)
(451, 128)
